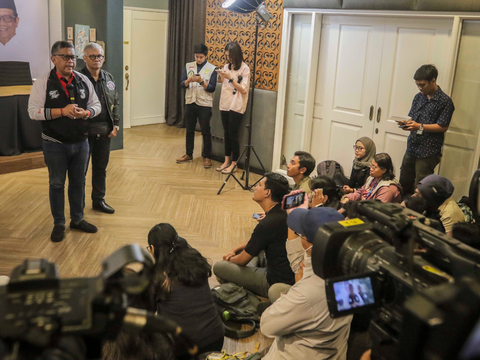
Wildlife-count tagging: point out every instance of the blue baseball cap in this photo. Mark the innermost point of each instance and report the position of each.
(306, 222)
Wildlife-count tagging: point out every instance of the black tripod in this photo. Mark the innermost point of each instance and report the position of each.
(248, 147)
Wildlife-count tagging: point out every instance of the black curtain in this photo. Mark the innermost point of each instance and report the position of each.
(187, 19)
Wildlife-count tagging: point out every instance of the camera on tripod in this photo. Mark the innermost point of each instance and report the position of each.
(425, 306)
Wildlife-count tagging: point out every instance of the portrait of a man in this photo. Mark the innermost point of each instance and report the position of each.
(8, 21)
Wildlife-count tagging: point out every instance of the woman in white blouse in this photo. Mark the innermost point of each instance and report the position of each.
(235, 79)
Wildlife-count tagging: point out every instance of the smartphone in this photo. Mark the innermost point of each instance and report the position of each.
(256, 216)
(293, 201)
(218, 69)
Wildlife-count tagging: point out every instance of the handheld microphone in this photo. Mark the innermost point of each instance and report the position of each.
(71, 93)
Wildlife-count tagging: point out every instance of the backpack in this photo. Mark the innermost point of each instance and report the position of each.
(236, 304)
(466, 206)
(333, 170)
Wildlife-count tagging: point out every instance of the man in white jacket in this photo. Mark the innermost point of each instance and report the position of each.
(300, 321)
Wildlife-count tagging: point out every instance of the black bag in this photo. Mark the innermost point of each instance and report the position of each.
(98, 129)
(236, 304)
(333, 170)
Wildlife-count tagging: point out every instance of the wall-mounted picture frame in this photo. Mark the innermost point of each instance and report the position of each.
(82, 34)
(70, 33)
(93, 35)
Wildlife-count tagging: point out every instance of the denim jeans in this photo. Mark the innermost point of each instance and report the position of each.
(60, 159)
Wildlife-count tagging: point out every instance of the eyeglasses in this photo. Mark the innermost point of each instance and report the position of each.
(67, 57)
(8, 18)
(373, 167)
(95, 57)
(359, 148)
(148, 247)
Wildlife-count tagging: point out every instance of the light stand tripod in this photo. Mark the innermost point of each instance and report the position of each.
(248, 147)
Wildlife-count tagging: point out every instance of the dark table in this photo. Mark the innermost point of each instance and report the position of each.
(18, 133)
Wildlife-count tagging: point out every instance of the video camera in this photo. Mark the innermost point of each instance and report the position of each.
(44, 317)
(426, 300)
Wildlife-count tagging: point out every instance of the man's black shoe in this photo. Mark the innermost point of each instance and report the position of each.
(103, 207)
(58, 233)
(84, 226)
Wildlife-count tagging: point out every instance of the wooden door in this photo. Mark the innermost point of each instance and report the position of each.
(350, 58)
(296, 84)
(145, 49)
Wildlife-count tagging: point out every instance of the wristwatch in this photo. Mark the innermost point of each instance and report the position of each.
(203, 82)
(230, 81)
(420, 131)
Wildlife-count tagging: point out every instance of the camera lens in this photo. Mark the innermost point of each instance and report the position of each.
(358, 252)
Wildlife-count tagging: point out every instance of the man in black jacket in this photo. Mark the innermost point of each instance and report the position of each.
(64, 100)
(104, 126)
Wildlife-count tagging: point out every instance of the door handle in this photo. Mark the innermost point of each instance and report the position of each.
(379, 114)
(127, 77)
(371, 113)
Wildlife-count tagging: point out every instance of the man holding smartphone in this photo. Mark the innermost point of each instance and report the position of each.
(430, 114)
(200, 80)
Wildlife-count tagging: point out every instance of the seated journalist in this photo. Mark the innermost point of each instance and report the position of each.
(299, 320)
(438, 191)
(300, 168)
(381, 184)
(240, 265)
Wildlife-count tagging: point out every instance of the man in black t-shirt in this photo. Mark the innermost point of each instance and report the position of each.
(270, 235)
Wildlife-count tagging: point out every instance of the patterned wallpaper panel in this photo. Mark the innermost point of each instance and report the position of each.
(224, 26)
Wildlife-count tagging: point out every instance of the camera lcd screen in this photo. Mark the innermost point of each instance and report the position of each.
(353, 293)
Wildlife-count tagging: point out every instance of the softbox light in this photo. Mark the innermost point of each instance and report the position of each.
(248, 6)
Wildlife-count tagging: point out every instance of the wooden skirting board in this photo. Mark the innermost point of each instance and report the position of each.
(26, 161)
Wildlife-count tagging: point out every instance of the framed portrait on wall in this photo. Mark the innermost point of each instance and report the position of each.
(25, 36)
(82, 38)
(93, 35)
(69, 33)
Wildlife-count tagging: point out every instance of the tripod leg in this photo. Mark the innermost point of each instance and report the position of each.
(260, 162)
(232, 175)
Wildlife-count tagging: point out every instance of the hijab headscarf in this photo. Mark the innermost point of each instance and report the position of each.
(370, 151)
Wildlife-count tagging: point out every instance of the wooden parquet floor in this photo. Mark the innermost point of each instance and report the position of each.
(146, 187)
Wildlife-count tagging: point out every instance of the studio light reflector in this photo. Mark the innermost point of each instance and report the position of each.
(248, 6)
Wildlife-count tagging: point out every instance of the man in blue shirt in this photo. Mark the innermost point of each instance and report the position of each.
(430, 114)
(199, 78)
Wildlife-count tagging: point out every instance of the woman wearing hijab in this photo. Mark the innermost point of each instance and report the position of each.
(364, 153)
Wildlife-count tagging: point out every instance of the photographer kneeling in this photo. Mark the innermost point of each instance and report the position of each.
(300, 320)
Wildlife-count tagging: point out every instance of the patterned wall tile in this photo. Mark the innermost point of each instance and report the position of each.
(224, 26)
